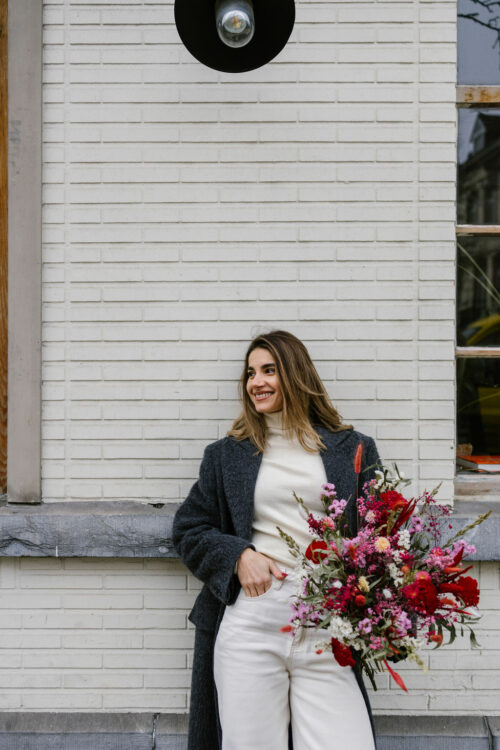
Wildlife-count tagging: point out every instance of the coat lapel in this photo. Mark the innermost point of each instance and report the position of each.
(241, 468)
(242, 464)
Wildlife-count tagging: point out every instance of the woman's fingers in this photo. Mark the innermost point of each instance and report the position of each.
(276, 571)
(254, 571)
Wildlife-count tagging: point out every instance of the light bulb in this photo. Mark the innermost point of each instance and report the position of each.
(235, 22)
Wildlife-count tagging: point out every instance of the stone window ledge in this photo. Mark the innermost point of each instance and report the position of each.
(138, 529)
(482, 489)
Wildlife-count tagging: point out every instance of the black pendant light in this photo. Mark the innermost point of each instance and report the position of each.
(234, 35)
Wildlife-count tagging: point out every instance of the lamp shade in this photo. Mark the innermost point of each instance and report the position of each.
(195, 21)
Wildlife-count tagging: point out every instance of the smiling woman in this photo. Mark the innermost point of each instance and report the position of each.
(253, 685)
(263, 385)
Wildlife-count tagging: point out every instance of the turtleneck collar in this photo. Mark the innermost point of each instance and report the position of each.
(274, 421)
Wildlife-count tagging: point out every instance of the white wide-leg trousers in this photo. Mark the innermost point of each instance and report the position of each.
(266, 678)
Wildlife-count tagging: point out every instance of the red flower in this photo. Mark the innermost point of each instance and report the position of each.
(342, 654)
(436, 637)
(422, 595)
(394, 500)
(465, 588)
(313, 551)
(357, 458)
(360, 600)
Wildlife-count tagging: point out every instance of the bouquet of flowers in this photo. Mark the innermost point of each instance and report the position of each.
(380, 595)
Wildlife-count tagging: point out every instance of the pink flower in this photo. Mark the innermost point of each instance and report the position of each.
(365, 626)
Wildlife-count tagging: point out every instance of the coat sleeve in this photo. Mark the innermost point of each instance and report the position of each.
(209, 553)
(370, 461)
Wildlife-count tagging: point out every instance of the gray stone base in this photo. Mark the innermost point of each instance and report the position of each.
(433, 733)
(145, 731)
(87, 731)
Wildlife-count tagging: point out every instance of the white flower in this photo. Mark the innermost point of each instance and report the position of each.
(387, 593)
(340, 629)
(337, 584)
(404, 539)
(395, 574)
(396, 556)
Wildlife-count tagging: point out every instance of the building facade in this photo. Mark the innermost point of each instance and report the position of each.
(185, 211)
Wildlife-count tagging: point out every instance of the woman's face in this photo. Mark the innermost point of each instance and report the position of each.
(263, 385)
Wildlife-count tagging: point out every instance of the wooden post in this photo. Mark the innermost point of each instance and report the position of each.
(3, 243)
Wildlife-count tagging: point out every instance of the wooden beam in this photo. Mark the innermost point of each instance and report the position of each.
(25, 258)
(477, 351)
(478, 96)
(465, 229)
(3, 243)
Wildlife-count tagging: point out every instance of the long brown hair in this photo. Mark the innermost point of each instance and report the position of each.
(305, 399)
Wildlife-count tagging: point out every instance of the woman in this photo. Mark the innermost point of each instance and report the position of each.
(253, 686)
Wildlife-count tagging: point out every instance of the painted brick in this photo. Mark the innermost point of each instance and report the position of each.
(186, 211)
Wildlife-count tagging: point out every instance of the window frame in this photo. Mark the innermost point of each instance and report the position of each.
(25, 251)
(477, 97)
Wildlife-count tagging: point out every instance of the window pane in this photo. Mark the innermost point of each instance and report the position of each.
(478, 55)
(478, 405)
(478, 295)
(478, 199)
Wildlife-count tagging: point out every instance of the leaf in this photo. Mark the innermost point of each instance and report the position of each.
(453, 635)
(473, 641)
(396, 677)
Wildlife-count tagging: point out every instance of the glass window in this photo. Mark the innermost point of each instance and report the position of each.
(478, 291)
(478, 408)
(478, 199)
(478, 45)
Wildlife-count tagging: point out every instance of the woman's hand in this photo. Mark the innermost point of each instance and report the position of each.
(255, 570)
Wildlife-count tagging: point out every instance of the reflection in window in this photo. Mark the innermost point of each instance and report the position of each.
(478, 291)
(478, 48)
(478, 199)
(478, 407)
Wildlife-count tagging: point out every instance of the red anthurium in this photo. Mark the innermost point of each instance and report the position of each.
(465, 588)
(314, 551)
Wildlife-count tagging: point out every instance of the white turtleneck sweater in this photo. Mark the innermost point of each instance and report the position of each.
(286, 468)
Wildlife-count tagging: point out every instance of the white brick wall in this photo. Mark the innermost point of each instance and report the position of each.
(186, 210)
(110, 635)
(82, 634)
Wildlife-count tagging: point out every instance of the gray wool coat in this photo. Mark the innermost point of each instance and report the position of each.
(212, 528)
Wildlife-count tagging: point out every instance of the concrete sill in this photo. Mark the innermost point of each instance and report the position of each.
(137, 529)
(87, 529)
(483, 489)
(145, 731)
